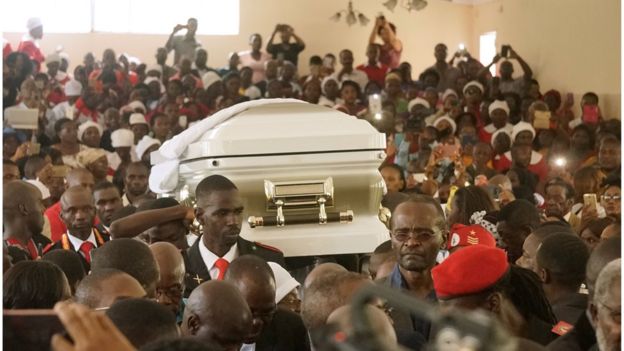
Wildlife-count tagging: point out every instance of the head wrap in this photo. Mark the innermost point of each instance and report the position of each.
(209, 79)
(134, 105)
(498, 104)
(473, 83)
(393, 76)
(448, 119)
(145, 143)
(90, 155)
(417, 101)
(33, 23)
(54, 57)
(86, 125)
(449, 92)
(496, 133)
(521, 127)
(73, 88)
(137, 118)
(284, 282)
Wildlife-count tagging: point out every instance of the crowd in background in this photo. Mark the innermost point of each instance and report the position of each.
(501, 197)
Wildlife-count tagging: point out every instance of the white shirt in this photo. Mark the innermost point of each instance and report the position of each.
(356, 75)
(76, 242)
(210, 258)
(248, 347)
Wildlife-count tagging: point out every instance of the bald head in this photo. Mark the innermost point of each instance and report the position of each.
(19, 192)
(321, 270)
(171, 267)
(80, 176)
(102, 288)
(23, 209)
(73, 192)
(217, 313)
(342, 317)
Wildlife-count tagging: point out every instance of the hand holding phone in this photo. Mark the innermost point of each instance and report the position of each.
(505, 51)
(590, 201)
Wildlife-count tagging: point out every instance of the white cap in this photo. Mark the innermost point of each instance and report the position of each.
(210, 78)
(33, 23)
(521, 127)
(284, 282)
(448, 119)
(86, 125)
(45, 192)
(417, 101)
(122, 138)
(448, 92)
(473, 83)
(496, 133)
(54, 57)
(137, 105)
(325, 81)
(137, 118)
(154, 79)
(145, 143)
(499, 104)
(73, 88)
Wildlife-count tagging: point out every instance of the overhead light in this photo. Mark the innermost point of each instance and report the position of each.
(391, 4)
(352, 16)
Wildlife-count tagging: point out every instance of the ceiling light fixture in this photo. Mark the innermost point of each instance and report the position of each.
(352, 16)
(410, 5)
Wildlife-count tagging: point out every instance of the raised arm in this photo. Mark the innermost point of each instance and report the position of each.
(169, 44)
(373, 35)
(270, 43)
(137, 223)
(528, 73)
(394, 41)
(298, 39)
(486, 69)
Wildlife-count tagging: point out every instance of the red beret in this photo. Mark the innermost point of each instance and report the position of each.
(469, 271)
(466, 235)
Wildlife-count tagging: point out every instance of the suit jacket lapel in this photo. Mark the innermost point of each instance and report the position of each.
(196, 263)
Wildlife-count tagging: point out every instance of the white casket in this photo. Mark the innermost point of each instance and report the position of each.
(308, 176)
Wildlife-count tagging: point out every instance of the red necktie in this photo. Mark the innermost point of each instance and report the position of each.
(222, 264)
(86, 248)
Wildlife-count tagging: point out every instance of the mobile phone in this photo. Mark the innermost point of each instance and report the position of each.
(542, 120)
(505, 51)
(374, 106)
(59, 171)
(591, 114)
(183, 121)
(590, 201)
(30, 330)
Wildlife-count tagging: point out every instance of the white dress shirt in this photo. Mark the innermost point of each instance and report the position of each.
(76, 242)
(210, 258)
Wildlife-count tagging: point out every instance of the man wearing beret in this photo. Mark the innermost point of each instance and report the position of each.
(418, 231)
(480, 277)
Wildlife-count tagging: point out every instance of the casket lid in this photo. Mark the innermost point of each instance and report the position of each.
(286, 128)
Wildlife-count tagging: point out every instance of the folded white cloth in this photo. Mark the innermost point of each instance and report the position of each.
(164, 175)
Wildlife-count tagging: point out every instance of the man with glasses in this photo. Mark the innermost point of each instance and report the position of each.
(272, 328)
(418, 231)
(606, 308)
(171, 284)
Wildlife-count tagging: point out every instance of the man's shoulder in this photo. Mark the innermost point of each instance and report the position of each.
(269, 253)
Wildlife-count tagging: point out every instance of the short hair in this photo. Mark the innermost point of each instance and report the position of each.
(123, 212)
(143, 321)
(354, 85)
(229, 76)
(213, 183)
(102, 185)
(472, 199)
(398, 169)
(70, 263)
(324, 295)
(527, 294)
(590, 94)
(249, 266)
(88, 291)
(597, 226)
(565, 257)
(182, 344)
(610, 276)
(392, 27)
(426, 200)
(316, 60)
(553, 227)
(613, 179)
(130, 256)
(562, 183)
(383, 248)
(582, 127)
(156, 116)
(33, 165)
(519, 213)
(607, 251)
(34, 285)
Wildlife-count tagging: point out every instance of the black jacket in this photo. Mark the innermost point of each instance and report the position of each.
(197, 272)
(285, 333)
(58, 245)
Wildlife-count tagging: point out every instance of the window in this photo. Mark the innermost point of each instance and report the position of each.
(487, 50)
(215, 17)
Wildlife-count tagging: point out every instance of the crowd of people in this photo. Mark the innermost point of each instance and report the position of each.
(501, 199)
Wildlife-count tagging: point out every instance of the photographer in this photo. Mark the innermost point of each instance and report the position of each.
(183, 46)
(285, 51)
(391, 49)
(507, 83)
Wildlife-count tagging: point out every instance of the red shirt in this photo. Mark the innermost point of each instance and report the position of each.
(375, 73)
(6, 50)
(537, 166)
(83, 109)
(34, 53)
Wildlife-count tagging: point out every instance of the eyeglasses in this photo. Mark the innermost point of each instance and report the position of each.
(611, 197)
(404, 234)
(174, 291)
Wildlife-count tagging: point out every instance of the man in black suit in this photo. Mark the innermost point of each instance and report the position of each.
(78, 214)
(220, 212)
(273, 328)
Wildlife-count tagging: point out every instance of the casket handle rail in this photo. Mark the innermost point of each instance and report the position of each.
(275, 221)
